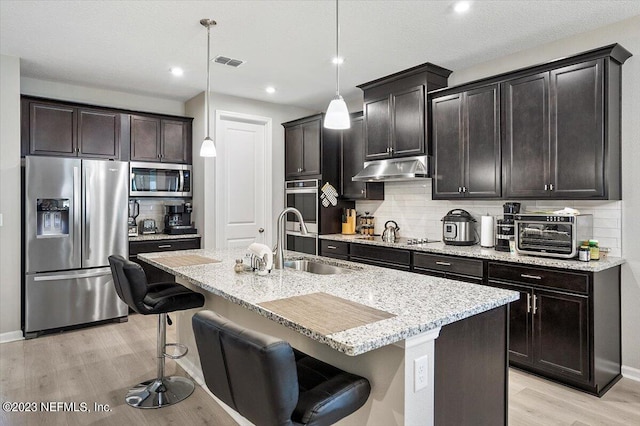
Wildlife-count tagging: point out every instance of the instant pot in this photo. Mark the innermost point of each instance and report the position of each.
(458, 228)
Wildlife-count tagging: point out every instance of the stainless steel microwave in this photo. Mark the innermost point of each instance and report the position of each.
(159, 180)
(552, 235)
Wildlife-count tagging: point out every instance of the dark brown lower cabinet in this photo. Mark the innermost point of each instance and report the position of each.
(566, 325)
(381, 256)
(471, 371)
(154, 274)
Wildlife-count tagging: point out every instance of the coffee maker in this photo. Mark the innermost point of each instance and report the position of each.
(177, 220)
(134, 211)
(505, 227)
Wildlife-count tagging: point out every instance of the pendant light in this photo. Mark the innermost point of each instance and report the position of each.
(207, 149)
(337, 116)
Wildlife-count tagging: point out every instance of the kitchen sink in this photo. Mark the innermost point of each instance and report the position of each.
(315, 267)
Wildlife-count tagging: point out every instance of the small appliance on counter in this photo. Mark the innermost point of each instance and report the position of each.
(505, 227)
(552, 234)
(458, 228)
(134, 211)
(148, 226)
(177, 220)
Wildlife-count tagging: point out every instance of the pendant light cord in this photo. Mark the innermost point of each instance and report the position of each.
(337, 53)
(206, 109)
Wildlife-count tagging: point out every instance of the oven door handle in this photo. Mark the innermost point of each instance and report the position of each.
(301, 191)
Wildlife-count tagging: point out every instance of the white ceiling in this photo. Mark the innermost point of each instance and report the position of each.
(130, 45)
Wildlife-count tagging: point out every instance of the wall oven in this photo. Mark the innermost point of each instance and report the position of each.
(303, 195)
(552, 235)
(159, 180)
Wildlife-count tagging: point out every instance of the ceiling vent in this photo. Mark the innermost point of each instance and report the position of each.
(228, 61)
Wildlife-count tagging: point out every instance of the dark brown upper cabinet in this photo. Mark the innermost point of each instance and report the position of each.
(58, 129)
(160, 139)
(353, 162)
(466, 144)
(396, 111)
(303, 144)
(555, 143)
(561, 134)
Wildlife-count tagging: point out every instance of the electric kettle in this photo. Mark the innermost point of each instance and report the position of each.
(390, 233)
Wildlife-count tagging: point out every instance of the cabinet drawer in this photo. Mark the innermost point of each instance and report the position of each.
(540, 277)
(136, 247)
(381, 254)
(449, 264)
(328, 248)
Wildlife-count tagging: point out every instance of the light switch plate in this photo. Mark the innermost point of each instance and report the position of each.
(0, 219)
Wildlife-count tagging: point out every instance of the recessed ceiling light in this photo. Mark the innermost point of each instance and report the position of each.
(462, 6)
(177, 71)
(337, 60)
(270, 89)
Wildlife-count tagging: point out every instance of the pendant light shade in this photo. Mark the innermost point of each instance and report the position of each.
(208, 148)
(337, 116)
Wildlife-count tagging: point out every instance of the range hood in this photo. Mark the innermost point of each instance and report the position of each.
(394, 170)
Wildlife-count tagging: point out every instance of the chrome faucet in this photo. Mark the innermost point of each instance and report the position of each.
(278, 259)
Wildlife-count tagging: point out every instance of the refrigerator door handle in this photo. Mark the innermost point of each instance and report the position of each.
(77, 213)
(86, 235)
(92, 274)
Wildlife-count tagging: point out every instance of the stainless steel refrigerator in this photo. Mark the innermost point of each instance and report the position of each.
(75, 216)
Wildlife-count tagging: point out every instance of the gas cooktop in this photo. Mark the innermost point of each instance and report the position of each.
(401, 240)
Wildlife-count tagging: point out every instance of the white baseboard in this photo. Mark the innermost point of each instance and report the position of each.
(11, 336)
(631, 373)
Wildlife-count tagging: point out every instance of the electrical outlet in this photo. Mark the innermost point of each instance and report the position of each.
(421, 372)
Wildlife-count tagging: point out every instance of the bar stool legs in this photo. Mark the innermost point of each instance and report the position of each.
(161, 391)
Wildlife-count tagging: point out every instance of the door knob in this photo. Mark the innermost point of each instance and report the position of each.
(261, 230)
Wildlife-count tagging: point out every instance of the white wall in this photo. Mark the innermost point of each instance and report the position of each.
(100, 97)
(203, 195)
(10, 198)
(627, 33)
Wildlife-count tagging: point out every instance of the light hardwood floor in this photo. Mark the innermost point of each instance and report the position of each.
(99, 364)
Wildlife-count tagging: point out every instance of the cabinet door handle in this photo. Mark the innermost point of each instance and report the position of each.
(459, 189)
(528, 303)
(535, 303)
(464, 189)
(391, 150)
(362, 191)
(164, 246)
(443, 263)
(550, 187)
(261, 230)
(332, 247)
(533, 277)
(546, 187)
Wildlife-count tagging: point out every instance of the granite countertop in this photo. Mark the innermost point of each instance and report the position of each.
(420, 302)
(478, 252)
(156, 237)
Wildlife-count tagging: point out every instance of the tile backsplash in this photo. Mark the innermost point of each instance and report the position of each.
(410, 205)
(154, 209)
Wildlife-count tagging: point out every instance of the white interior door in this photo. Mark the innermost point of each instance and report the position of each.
(243, 179)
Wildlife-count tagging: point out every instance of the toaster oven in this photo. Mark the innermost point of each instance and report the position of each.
(552, 235)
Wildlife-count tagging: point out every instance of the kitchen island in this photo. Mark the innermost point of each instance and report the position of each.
(417, 377)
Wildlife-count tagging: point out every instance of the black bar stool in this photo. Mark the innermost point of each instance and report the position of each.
(147, 299)
(270, 383)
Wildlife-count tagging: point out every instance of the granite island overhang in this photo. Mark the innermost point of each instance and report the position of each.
(384, 351)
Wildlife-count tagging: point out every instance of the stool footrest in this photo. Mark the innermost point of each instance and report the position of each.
(184, 350)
